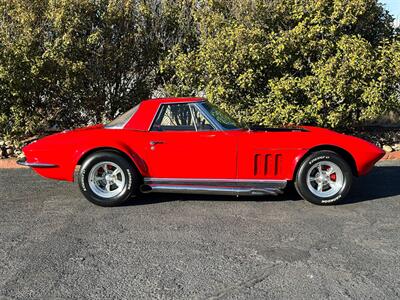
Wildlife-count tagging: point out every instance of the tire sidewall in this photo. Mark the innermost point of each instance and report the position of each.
(127, 169)
(301, 178)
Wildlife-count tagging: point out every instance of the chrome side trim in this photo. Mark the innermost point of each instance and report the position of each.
(24, 163)
(209, 190)
(261, 183)
(235, 187)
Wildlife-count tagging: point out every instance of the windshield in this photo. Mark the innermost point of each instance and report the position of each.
(121, 121)
(225, 120)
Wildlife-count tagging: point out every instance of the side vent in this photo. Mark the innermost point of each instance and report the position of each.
(256, 163)
(267, 164)
(278, 159)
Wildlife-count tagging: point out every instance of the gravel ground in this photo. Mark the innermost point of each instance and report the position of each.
(55, 244)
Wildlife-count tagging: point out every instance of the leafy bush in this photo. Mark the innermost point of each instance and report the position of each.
(327, 62)
(73, 62)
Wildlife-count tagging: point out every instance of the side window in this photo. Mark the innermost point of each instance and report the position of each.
(176, 117)
(202, 124)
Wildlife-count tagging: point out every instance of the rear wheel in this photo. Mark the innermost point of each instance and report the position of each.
(108, 179)
(324, 177)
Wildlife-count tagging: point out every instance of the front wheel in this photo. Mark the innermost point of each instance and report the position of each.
(324, 177)
(108, 179)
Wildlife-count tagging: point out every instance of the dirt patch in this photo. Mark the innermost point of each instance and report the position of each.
(9, 163)
(391, 155)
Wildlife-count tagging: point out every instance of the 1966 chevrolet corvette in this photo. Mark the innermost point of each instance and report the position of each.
(187, 145)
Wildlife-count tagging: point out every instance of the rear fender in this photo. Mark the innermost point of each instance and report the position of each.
(82, 154)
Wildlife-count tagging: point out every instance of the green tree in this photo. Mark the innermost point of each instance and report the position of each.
(73, 62)
(327, 62)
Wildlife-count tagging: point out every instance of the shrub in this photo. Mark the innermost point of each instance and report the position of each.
(327, 62)
(73, 62)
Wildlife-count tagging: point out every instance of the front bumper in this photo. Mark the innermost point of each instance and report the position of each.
(23, 162)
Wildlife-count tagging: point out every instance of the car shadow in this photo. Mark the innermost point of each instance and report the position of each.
(382, 182)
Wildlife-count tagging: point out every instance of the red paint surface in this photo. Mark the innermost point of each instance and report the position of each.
(240, 154)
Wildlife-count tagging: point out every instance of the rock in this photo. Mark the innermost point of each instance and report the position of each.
(396, 147)
(387, 148)
(9, 151)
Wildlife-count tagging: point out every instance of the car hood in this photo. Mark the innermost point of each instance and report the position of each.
(309, 137)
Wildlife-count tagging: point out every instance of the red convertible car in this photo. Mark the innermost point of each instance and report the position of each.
(187, 145)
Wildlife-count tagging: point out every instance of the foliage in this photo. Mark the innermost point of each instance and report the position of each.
(326, 62)
(73, 62)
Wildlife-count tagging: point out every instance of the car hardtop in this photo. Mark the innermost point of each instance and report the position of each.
(147, 109)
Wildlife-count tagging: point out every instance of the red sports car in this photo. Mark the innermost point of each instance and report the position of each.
(187, 145)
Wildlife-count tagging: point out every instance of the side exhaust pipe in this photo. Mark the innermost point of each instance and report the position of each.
(209, 190)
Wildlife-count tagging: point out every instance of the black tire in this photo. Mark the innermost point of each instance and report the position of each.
(310, 162)
(129, 189)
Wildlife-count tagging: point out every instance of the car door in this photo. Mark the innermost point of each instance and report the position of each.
(182, 143)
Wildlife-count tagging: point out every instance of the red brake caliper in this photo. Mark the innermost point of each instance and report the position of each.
(333, 176)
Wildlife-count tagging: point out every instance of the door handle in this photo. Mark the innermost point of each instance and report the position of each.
(153, 143)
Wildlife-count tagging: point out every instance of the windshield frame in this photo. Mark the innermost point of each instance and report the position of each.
(213, 119)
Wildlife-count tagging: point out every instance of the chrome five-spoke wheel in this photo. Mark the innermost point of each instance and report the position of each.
(106, 179)
(324, 179)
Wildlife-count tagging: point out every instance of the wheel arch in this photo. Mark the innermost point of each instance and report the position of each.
(338, 150)
(136, 161)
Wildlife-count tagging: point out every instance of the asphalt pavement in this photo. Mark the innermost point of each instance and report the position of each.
(56, 244)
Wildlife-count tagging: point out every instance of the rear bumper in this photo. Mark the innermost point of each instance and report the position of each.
(23, 162)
